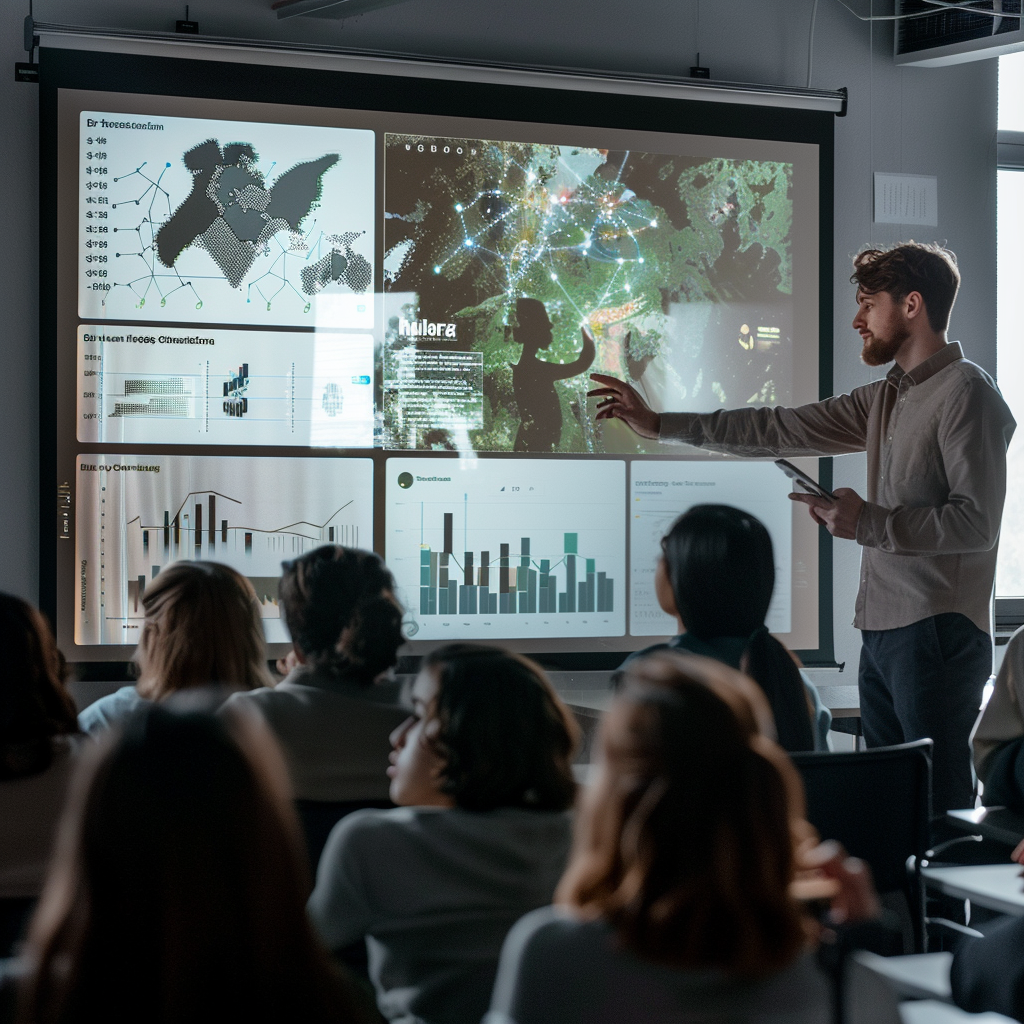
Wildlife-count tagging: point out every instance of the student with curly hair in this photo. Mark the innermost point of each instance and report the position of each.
(334, 711)
(482, 771)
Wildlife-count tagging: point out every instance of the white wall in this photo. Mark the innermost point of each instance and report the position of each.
(935, 121)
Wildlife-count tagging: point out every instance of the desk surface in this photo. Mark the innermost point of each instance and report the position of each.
(929, 1011)
(999, 824)
(918, 976)
(999, 887)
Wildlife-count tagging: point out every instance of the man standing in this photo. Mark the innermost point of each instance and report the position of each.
(935, 429)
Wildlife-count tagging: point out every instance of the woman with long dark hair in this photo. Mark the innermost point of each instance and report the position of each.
(38, 742)
(177, 890)
(715, 577)
(481, 771)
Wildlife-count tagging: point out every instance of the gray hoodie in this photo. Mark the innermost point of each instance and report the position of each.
(435, 891)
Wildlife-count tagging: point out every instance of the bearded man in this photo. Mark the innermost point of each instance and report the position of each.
(935, 430)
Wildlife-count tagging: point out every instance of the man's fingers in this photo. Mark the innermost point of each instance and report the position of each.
(598, 392)
(810, 499)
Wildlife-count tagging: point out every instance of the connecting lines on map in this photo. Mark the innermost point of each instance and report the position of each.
(555, 216)
(237, 216)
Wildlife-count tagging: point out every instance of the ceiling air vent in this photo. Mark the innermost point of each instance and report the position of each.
(932, 34)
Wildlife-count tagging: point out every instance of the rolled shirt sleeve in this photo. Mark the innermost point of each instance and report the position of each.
(973, 437)
(837, 426)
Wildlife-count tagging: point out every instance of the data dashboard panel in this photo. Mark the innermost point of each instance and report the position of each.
(314, 315)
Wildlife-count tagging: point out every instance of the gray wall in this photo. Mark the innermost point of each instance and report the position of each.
(934, 121)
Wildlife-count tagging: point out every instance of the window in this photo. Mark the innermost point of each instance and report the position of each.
(1009, 343)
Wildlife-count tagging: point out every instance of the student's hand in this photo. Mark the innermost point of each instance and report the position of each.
(839, 517)
(855, 898)
(1018, 853)
(623, 402)
(287, 663)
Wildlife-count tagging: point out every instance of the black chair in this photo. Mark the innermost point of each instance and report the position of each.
(318, 817)
(877, 803)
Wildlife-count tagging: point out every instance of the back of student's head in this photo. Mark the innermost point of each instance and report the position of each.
(341, 611)
(683, 841)
(177, 891)
(202, 627)
(34, 705)
(720, 565)
(505, 737)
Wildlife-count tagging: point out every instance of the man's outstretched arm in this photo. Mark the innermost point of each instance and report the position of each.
(833, 427)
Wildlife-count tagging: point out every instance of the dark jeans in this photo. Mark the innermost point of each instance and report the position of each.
(926, 680)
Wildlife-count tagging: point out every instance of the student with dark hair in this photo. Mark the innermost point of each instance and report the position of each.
(679, 900)
(483, 776)
(38, 734)
(201, 627)
(335, 709)
(935, 430)
(715, 577)
(177, 890)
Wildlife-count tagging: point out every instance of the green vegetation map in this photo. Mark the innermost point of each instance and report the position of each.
(668, 261)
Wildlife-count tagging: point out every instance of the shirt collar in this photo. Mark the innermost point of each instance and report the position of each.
(949, 353)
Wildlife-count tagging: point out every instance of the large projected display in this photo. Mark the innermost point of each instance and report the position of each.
(281, 322)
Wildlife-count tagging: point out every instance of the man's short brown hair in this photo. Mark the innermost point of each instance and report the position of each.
(923, 267)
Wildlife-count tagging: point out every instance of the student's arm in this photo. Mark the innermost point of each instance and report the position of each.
(974, 438)
(988, 973)
(338, 907)
(836, 426)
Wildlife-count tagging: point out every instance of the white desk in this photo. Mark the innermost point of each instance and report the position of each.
(917, 976)
(998, 887)
(928, 1011)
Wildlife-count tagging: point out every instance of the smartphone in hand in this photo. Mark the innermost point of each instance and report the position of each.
(801, 479)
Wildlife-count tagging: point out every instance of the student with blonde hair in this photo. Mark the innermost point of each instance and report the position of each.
(202, 627)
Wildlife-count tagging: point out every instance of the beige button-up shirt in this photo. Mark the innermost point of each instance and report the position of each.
(936, 440)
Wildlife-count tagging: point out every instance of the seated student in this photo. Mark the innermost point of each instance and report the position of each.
(678, 901)
(177, 890)
(335, 710)
(483, 773)
(38, 742)
(987, 974)
(715, 577)
(998, 737)
(202, 627)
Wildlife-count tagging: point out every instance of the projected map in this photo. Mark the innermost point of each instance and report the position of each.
(225, 221)
(546, 263)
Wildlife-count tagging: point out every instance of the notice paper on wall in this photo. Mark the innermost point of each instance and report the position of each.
(906, 199)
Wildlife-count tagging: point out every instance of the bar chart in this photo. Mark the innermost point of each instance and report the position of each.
(250, 513)
(137, 385)
(493, 549)
(662, 491)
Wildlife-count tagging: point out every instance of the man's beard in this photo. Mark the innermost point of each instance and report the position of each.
(879, 351)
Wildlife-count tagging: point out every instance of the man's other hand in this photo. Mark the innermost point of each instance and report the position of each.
(622, 402)
(839, 517)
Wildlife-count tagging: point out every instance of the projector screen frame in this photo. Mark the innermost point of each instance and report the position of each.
(62, 68)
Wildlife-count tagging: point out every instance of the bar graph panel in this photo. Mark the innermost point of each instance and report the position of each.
(492, 548)
(250, 513)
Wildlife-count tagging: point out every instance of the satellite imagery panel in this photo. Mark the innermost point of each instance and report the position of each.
(538, 264)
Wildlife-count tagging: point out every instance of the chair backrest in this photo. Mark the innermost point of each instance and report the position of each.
(876, 802)
(318, 818)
